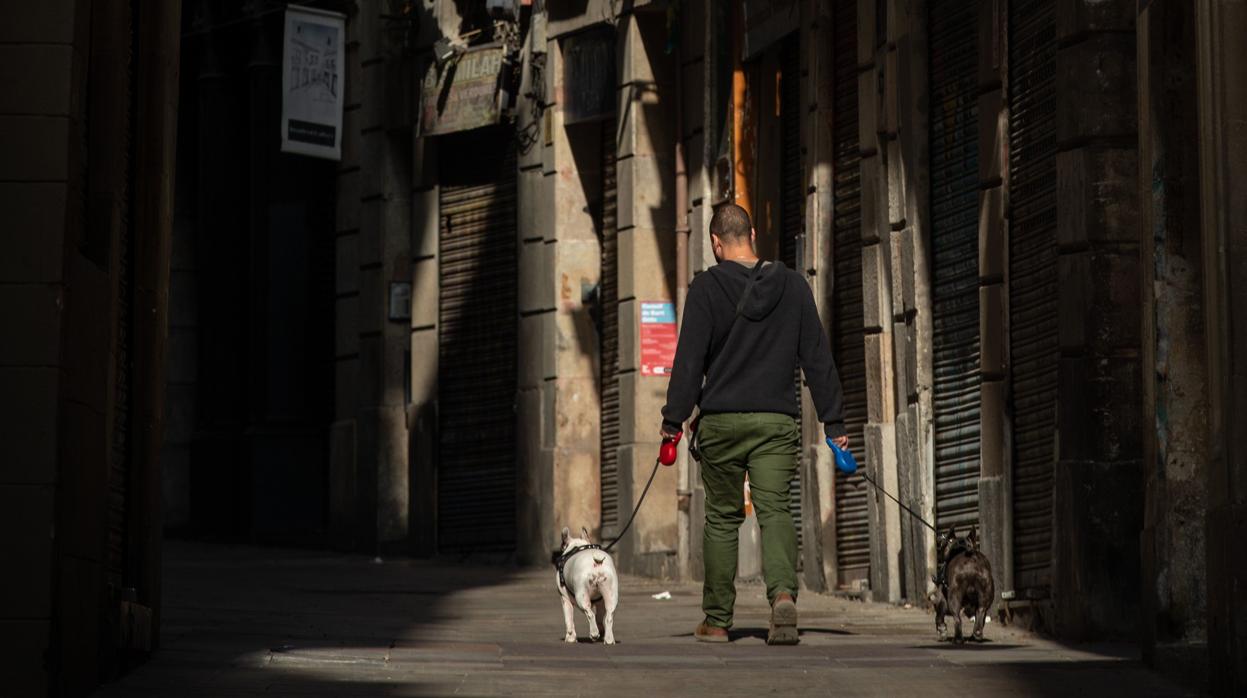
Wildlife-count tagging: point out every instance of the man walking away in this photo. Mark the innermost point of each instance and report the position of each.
(747, 325)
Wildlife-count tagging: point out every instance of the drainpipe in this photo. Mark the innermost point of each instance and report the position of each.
(741, 168)
(684, 491)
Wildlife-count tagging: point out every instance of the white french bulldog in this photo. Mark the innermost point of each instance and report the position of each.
(588, 576)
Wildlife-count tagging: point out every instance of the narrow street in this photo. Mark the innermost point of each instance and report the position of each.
(248, 621)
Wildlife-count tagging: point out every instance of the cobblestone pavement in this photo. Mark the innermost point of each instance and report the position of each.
(250, 621)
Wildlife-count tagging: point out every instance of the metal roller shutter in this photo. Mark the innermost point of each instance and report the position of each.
(852, 527)
(792, 208)
(609, 301)
(1032, 283)
(954, 243)
(477, 343)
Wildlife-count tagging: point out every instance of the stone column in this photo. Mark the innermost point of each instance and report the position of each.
(536, 522)
(1097, 493)
(570, 400)
(1174, 353)
(646, 173)
(384, 258)
(910, 170)
(881, 205)
(560, 263)
(818, 480)
(344, 525)
(995, 448)
(1222, 60)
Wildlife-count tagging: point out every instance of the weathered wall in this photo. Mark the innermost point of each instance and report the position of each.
(646, 172)
(560, 261)
(909, 174)
(1175, 392)
(881, 206)
(1097, 482)
(536, 525)
(818, 483)
(370, 491)
(995, 445)
(34, 152)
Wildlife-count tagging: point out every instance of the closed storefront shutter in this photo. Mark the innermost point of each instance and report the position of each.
(792, 206)
(954, 245)
(476, 479)
(1032, 283)
(852, 529)
(609, 302)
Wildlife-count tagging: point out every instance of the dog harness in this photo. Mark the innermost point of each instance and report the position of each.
(561, 560)
(959, 548)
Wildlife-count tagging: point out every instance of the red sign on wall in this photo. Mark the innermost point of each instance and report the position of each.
(658, 338)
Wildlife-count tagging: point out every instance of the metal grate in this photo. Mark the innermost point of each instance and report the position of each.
(609, 302)
(476, 479)
(954, 243)
(792, 209)
(852, 527)
(1032, 283)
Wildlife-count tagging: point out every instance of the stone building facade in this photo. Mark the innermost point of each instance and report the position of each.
(87, 144)
(1020, 307)
(1018, 218)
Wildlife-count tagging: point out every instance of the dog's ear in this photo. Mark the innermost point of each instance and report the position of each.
(566, 534)
(584, 532)
(974, 535)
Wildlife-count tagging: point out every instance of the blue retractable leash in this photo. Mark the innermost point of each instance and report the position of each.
(847, 464)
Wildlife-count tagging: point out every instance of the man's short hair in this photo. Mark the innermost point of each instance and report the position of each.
(731, 223)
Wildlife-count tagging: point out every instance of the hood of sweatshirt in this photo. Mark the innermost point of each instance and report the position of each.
(764, 296)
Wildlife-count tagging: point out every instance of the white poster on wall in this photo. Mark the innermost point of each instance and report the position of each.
(312, 82)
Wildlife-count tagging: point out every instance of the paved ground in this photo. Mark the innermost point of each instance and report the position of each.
(244, 621)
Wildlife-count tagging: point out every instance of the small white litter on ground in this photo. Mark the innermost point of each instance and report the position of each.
(662, 596)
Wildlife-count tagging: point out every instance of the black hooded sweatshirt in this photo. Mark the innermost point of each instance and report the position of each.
(751, 366)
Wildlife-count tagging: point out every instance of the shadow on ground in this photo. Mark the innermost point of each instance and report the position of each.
(242, 621)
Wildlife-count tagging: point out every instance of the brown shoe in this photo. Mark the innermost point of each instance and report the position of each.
(710, 633)
(783, 621)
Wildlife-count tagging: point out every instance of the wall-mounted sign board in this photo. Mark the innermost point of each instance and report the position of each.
(658, 338)
(461, 94)
(312, 85)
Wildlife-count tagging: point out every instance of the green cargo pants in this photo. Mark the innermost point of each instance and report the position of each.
(765, 445)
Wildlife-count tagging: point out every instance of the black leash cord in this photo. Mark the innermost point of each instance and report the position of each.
(639, 502)
(910, 511)
(654, 472)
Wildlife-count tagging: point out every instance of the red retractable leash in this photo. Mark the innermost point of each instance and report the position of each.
(666, 456)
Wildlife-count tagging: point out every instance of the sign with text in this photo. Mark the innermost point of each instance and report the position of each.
(462, 94)
(311, 82)
(658, 338)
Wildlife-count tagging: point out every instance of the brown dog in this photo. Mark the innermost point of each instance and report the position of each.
(963, 584)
